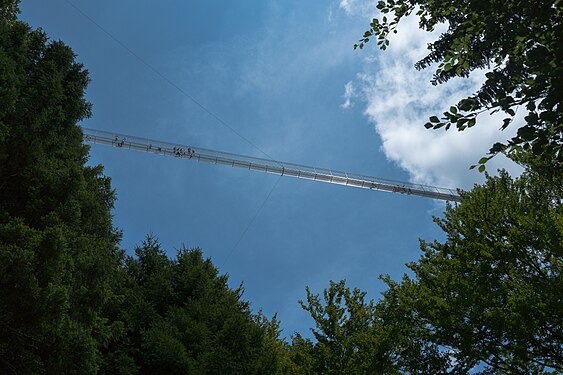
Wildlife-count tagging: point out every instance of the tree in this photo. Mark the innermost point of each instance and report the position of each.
(349, 338)
(517, 41)
(490, 295)
(486, 300)
(181, 317)
(58, 247)
(71, 302)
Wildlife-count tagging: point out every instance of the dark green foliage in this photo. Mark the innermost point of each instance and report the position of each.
(519, 42)
(57, 244)
(492, 291)
(349, 339)
(70, 301)
(181, 317)
(486, 300)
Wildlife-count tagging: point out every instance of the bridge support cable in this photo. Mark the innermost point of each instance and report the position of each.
(267, 165)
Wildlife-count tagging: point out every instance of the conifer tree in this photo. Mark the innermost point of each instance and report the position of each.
(58, 248)
(181, 317)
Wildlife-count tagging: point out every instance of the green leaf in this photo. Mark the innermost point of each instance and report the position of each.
(465, 105)
(497, 147)
(483, 160)
(482, 168)
(434, 119)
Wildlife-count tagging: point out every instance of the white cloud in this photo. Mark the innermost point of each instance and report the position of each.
(400, 100)
(346, 5)
(349, 93)
(358, 7)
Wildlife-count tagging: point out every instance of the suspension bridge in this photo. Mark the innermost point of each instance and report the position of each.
(276, 167)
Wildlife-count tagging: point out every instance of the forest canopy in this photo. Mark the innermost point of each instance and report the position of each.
(486, 299)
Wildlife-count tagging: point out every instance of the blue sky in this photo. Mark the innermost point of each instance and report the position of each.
(283, 75)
